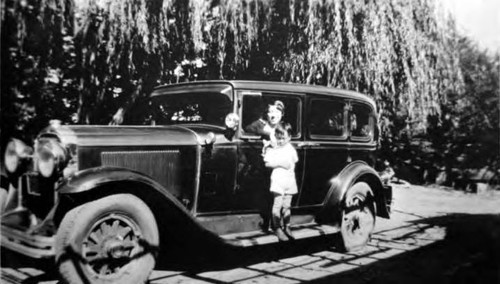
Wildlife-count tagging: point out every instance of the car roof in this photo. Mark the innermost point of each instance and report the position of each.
(269, 86)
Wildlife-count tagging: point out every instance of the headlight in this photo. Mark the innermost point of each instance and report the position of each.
(15, 152)
(50, 155)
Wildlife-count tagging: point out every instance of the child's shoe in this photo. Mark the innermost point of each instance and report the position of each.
(281, 235)
(288, 233)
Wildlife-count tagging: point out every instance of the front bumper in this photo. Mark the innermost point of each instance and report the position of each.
(23, 242)
(25, 231)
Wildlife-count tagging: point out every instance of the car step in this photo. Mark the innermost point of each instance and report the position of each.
(253, 238)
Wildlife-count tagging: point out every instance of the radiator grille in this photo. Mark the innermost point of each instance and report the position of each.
(162, 166)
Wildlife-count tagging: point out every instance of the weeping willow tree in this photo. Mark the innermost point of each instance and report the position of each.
(37, 59)
(89, 61)
(404, 54)
(399, 52)
(126, 47)
(101, 55)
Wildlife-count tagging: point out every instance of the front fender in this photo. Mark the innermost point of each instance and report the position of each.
(94, 177)
(354, 172)
(99, 177)
(174, 219)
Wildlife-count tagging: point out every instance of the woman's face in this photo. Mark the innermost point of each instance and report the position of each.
(274, 115)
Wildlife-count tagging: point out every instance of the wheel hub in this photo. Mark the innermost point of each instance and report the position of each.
(110, 244)
(358, 220)
(115, 248)
(355, 224)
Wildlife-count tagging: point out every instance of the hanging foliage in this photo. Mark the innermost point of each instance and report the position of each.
(86, 60)
(89, 61)
(401, 53)
(404, 54)
(37, 56)
(125, 49)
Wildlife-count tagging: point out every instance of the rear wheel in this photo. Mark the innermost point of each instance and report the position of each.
(358, 217)
(111, 240)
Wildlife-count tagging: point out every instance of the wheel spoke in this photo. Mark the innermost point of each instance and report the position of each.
(95, 237)
(129, 245)
(91, 258)
(114, 227)
(105, 229)
(123, 232)
(104, 269)
(93, 248)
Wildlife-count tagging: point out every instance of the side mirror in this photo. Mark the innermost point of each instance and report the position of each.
(232, 121)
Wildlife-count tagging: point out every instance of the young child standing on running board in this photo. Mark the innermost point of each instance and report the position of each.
(282, 159)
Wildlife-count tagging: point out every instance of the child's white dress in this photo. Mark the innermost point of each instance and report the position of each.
(282, 160)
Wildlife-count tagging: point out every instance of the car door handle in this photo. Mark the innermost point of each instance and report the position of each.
(301, 144)
(312, 144)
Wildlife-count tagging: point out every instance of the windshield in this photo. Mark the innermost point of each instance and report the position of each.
(196, 107)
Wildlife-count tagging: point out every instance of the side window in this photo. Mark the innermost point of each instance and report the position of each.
(360, 122)
(255, 108)
(326, 117)
(196, 107)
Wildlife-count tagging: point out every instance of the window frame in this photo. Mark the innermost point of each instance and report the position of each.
(262, 93)
(161, 93)
(371, 122)
(328, 137)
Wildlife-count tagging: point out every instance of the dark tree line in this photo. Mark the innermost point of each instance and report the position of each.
(89, 61)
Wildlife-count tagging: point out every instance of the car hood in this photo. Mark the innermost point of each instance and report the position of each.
(97, 135)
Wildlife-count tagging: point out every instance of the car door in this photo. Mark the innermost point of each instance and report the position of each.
(253, 178)
(325, 148)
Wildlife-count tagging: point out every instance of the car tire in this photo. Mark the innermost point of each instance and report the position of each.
(110, 240)
(358, 217)
(3, 199)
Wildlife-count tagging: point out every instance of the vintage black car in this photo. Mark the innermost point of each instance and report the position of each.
(106, 201)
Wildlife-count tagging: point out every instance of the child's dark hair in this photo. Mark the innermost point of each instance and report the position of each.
(281, 129)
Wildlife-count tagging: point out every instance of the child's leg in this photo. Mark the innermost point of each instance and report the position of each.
(287, 204)
(287, 214)
(276, 212)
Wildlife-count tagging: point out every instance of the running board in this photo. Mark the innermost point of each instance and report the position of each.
(254, 238)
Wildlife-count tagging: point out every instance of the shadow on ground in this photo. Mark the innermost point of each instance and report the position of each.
(453, 248)
(469, 253)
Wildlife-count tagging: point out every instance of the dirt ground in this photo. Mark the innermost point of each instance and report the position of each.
(435, 235)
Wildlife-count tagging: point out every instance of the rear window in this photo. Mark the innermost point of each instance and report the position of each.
(326, 118)
(361, 125)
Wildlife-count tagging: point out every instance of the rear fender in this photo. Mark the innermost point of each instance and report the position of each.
(357, 171)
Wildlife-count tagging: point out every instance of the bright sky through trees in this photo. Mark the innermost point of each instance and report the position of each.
(479, 19)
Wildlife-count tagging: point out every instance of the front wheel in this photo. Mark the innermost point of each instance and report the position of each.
(110, 240)
(358, 217)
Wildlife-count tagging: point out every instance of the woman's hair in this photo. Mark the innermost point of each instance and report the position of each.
(278, 104)
(282, 129)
